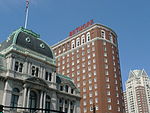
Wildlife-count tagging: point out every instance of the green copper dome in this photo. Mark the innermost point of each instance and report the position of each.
(29, 40)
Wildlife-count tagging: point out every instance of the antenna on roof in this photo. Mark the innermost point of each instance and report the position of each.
(27, 13)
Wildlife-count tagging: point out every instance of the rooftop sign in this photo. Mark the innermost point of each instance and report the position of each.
(81, 27)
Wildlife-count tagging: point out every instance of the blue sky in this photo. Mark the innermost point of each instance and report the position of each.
(54, 19)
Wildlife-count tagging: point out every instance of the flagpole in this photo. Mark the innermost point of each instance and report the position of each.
(26, 20)
(27, 14)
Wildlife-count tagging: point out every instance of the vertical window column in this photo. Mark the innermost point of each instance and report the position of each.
(28, 96)
(24, 97)
(41, 99)
(68, 106)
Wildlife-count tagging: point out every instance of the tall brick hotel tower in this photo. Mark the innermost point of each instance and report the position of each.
(89, 55)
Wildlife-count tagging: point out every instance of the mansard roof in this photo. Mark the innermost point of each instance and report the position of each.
(29, 40)
(62, 79)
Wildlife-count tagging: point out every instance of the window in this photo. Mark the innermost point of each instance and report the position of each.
(68, 45)
(90, 87)
(35, 71)
(48, 76)
(109, 100)
(64, 47)
(107, 79)
(83, 58)
(84, 83)
(106, 66)
(72, 91)
(107, 86)
(96, 93)
(90, 94)
(77, 42)
(82, 39)
(105, 54)
(105, 49)
(84, 103)
(73, 44)
(84, 96)
(96, 100)
(108, 92)
(84, 89)
(104, 43)
(103, 34)
(109, 107)
(90, 81)
(106, 72)
(88, 37)
(66, 88)
(95, 80)
(61, 88)
(89, 56)
(32, 101)
(111, 38)
(95, 86)
(18, 66)
(105, 60)
(85, 110)
(83, 53)
(15, 97)
(91, 101)
(84, 76)
(47, 104)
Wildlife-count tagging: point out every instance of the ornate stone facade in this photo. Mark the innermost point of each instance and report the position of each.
(28, 76)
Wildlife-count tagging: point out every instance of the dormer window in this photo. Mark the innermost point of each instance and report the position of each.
(42, 45)
(88, 37)
(77, 42)
(28, 40)
(83, 39)
(48, 76)
(66, 88)
(61, 88)
(35, 71)
(18, 66)
(72, 91)
(103, 34)
(73, 44)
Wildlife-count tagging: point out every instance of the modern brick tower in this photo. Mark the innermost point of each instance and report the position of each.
(90, 57)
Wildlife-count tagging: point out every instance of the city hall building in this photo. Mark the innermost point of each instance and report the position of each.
(90, 56)
(28, 77)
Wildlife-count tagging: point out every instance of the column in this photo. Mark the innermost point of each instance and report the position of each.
(28, 96)
(43, 73)
(74, 108)
(44, 100)
(29, 68)
(68, 106)
(25, 68)
(41, 99)
(24, 98)
(11, 60)
(64, 105)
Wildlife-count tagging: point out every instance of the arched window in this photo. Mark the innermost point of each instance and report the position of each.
(66, 88)
(103, 34)
(88, 37)
(82, 39)
(77, 42)
(72, 44)
(48, 103)
(32, 101)
(15, 97)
